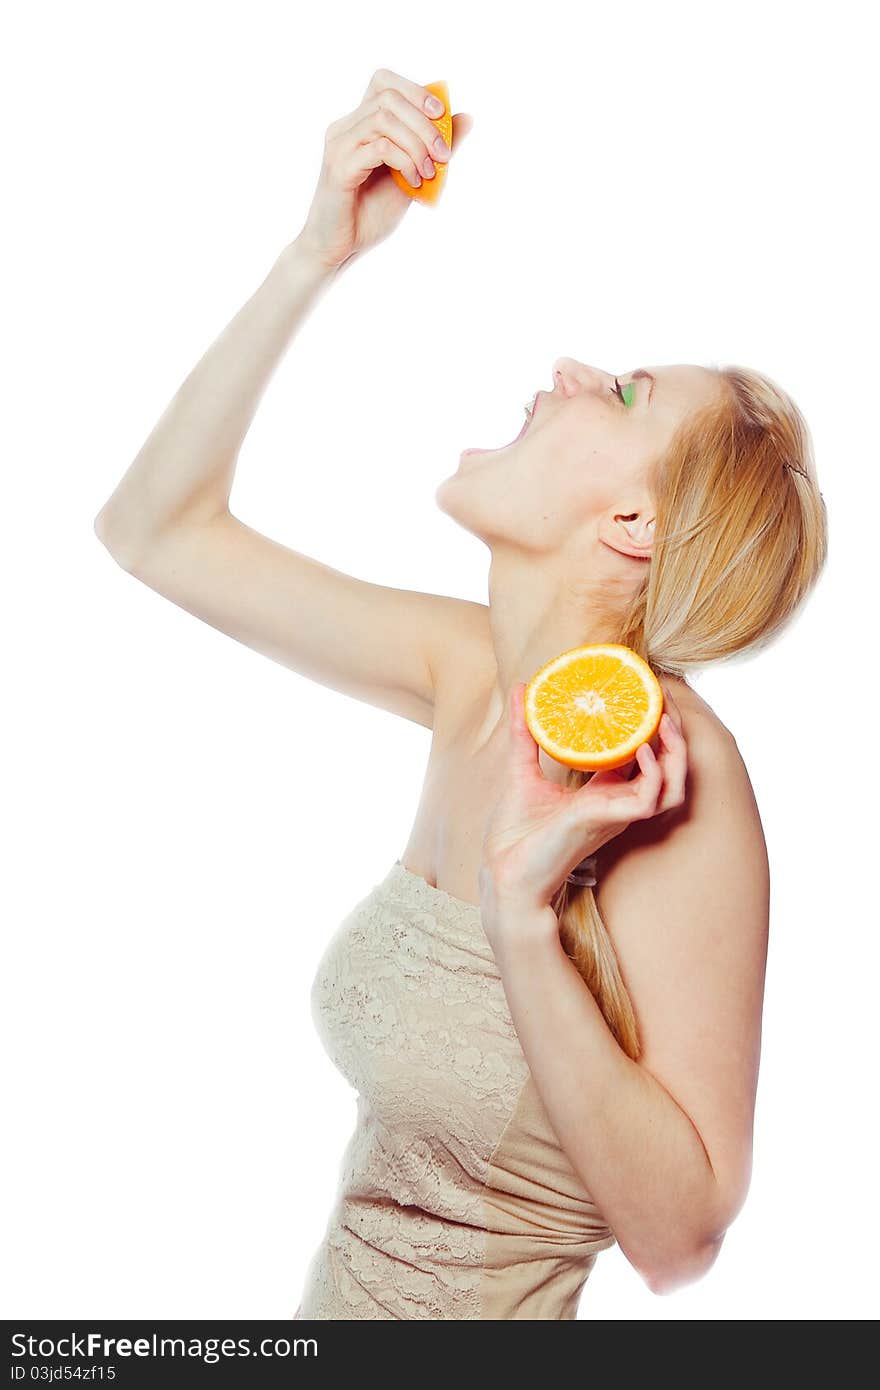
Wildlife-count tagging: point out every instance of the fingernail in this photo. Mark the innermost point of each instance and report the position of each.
(433, 106)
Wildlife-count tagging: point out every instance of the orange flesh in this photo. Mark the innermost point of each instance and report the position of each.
(595, 709)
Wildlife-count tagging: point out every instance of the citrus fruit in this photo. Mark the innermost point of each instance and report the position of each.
(429, 189)
(592, 706)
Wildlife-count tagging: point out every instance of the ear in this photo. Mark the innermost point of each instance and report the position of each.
(630, 533)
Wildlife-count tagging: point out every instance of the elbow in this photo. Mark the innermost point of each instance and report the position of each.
(674, 1274)
(110, 542)
(104, 521)
(695, 1254)
(102, 530)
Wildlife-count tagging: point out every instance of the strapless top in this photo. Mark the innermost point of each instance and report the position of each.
(455, 1199)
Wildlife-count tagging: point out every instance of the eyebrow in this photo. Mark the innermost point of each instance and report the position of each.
(640, 373)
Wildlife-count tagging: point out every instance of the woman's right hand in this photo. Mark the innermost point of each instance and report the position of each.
(357, 203)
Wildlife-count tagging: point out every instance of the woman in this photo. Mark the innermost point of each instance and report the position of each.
(547, 1059)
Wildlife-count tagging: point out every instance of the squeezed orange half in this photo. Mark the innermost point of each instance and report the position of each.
(429, 189)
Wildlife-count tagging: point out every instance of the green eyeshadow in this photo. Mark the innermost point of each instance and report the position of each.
(628, 392)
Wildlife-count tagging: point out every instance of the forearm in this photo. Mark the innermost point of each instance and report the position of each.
(187, 465)
(637, 1153)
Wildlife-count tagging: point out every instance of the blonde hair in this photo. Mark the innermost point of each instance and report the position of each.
(741, 537)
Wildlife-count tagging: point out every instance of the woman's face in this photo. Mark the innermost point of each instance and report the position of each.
(585, 455)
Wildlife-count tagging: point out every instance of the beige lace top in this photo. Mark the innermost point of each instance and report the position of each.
(455, 1199)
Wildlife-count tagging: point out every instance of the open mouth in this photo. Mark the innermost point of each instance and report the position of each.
(530, 415)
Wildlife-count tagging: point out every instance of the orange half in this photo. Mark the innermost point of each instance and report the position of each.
(592, 706)
(429, 189)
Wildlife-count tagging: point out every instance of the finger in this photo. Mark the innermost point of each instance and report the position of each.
(671, 708)
(524, 749)
(384, 78)
(675, 764)
(381, 81)
(645, 789)
(624, 800)
(422, 139)
(462, 125)
(398, 129)
(364, 148)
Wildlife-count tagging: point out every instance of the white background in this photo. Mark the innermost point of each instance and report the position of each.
(188, 822)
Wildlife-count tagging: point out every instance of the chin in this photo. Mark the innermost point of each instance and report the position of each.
(474, 464)
(455, 499)
(440, 492)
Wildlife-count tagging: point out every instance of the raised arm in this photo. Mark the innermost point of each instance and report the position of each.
(168, 522)
(184, 472)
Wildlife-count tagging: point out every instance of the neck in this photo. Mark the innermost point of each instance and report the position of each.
(535, 613)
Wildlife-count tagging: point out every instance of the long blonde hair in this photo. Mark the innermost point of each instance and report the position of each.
(741, 537)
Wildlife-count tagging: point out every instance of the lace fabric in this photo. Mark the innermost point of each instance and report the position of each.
(455, 1199)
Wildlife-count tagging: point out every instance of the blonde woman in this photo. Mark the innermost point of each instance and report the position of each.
(547, 1061)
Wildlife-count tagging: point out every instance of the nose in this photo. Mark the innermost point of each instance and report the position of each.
(571, 376)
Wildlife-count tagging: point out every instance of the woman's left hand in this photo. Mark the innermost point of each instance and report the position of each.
(539, 831)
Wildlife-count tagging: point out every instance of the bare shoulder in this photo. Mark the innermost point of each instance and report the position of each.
(719, 813)
(463, 662)
(713, 753)
(716, 764)
(699, 720)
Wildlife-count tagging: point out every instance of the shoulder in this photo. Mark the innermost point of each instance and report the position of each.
(714, 757)
(699, 719)
(463, 663)
(699, 864)
(709, 849)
